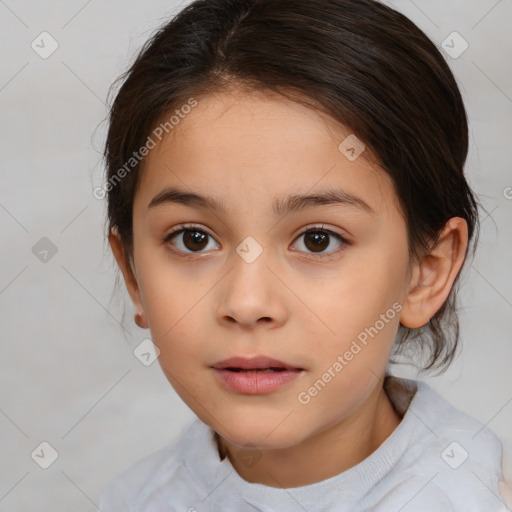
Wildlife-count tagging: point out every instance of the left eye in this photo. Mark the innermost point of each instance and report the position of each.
(318, 240)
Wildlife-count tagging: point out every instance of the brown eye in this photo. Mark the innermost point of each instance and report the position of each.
(195, 240)
(189, 240)
(316, 241)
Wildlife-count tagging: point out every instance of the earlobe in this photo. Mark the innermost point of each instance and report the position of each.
(141, 320)
(433, 277)
(130, 279)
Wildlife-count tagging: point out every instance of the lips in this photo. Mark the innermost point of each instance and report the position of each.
(256, 363)
(255, 376)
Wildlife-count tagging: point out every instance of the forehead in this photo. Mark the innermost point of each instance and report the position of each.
(256, 146)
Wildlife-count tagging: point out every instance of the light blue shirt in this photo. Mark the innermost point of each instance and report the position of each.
(438, 459)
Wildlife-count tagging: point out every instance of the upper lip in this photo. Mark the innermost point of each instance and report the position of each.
(253, 363)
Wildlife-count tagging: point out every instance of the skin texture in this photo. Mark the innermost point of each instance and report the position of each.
(299, 306)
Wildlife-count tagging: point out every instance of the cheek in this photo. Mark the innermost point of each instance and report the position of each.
(166, 286)
(173, 303)
(356, 295)
(361, 304)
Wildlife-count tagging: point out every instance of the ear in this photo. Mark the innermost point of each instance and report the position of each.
(130, 280)
(432, 278)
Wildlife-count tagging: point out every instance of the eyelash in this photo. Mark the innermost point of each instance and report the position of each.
(320, 228)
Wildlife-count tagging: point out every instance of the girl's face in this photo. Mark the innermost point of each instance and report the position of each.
(260, 273)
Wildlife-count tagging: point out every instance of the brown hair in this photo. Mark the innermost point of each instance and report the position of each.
(361, 62)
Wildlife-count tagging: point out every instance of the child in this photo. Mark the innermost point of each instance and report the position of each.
(287, 204)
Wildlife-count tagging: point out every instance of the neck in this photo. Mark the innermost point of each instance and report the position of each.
(325, 455)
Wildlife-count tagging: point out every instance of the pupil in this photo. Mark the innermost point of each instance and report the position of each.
(195, 240)
(320, 241)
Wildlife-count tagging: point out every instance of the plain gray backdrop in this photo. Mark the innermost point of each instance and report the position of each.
(69, 376)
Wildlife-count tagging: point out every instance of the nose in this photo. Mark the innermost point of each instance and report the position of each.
(252, 295)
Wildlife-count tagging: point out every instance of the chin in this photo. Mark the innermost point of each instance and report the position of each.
(261, 433)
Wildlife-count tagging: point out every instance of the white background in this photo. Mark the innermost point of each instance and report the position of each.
(68, 373)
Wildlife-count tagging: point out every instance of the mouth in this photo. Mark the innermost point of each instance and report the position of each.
(255, 376)
(254, 370)
(255, 364)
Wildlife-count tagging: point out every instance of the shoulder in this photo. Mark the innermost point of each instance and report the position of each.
(142, 481)
(462, 438)
(451, 456)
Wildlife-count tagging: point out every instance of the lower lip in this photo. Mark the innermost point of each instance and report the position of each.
(258, 382)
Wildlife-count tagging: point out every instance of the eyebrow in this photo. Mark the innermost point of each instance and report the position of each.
(289, 204)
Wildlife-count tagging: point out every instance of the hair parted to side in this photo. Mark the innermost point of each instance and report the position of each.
(361, 62)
